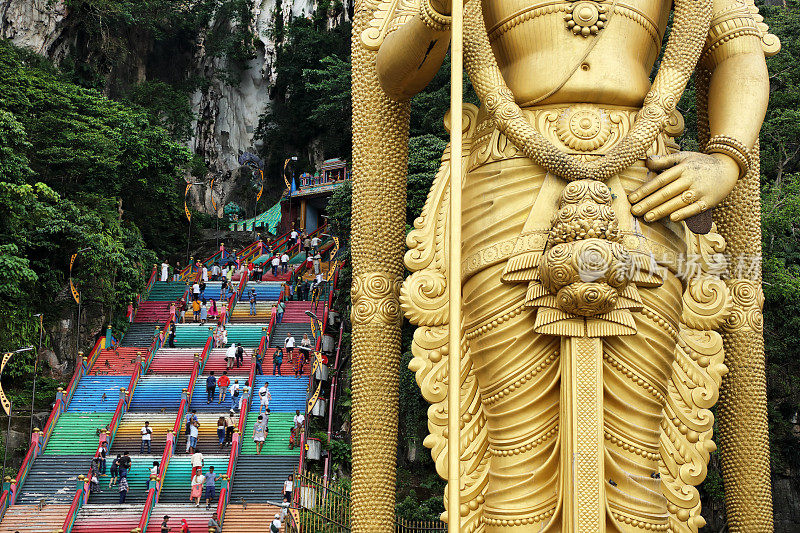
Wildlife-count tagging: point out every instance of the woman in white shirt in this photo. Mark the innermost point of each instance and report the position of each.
(164, 271)
(288, 486)
(197, 488)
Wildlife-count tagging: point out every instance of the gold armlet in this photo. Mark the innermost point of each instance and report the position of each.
(722, 144)
(432, 18)
(726, 33)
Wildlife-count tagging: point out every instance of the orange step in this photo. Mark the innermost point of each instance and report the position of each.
(257, 517)
(28, 518)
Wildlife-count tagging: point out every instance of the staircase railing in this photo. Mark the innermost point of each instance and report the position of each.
(225, 492)
(172, 436)
(322, 507)
(234, 298)
(313, 393)
(39, 438)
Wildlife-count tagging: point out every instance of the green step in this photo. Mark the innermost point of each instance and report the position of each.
(191, 336)
(76, 433)
(277, 443)
(178, 479)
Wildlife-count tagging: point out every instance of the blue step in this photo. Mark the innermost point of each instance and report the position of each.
(288, 393)
(266, 291)
(154, 393)
(88, 395)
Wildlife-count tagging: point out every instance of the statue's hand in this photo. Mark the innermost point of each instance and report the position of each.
(685, 184)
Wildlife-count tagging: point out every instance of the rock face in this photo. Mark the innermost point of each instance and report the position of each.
(226, 114)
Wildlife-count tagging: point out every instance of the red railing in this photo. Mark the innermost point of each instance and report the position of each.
(317, 349)
(224, 495)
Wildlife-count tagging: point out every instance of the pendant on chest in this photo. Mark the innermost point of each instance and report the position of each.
(586, 17)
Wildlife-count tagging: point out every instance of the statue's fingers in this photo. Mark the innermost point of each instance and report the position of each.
(663, 162)
(659, 181)
(665, 209)
(671, 190)
(689, 211)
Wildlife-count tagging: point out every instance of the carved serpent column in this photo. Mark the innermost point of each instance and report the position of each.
(380, 153)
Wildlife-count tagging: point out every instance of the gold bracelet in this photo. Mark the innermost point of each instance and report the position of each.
(432, 18)
(722, 144)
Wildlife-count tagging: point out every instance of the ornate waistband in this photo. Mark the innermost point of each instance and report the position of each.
(587, 130)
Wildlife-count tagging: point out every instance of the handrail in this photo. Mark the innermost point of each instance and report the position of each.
(332, 399)
(310, 388)
(224, 494)
(234, 298)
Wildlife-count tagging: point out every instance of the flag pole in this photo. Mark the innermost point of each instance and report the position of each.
(454, 360)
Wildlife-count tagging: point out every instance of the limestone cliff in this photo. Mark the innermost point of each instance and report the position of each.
(226, 111)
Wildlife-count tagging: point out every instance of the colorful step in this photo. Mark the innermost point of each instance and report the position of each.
(166, 291)
(33, 518)
(97, 394)
(277, 443)
(117, 362)
(156, 394)
(77, 433)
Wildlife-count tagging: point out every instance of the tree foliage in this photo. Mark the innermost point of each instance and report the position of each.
(77, 171)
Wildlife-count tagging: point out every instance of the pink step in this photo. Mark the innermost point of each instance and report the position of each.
(173, 361)
(153, 312)
(216, 362)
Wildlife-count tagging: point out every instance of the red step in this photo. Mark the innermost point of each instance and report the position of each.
(119, 362)
(152, 311)
(280, 277)
(173, 361)
(216, 362)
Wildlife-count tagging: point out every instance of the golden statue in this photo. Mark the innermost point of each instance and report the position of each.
(601, 301)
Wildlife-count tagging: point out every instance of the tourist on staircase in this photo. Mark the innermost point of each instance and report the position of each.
(234, 390)
(198, 480)
(277, 361)
(284, 263)
(259, 360)
(253, 302)
(315, 243)
(223, 383)
(211, 479)
(288, 343)
(164, 271)
(305, 354)
(197, 463)
(260, 433)
(229, 427)
(171, 338)
(239, 356)
(213, 524)
(211, 387)
(203, 312)
(147, 434)
(230, 356)
(195, 291)
(297, 429)
(123, 489)
(212, 310)
(194, 432)
(165, 525)
(205, 274)
(279, 309)
(276, 261)
(221, 431)
(196, 310)
(153, 475)
(215, 272)
(265, 396)
(114, 471)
